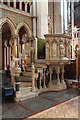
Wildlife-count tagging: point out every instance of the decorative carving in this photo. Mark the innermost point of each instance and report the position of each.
(54, 49)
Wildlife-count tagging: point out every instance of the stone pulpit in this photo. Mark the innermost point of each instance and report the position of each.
(58, 54)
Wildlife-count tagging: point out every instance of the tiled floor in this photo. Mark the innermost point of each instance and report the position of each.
(44, 101)
(68, 109)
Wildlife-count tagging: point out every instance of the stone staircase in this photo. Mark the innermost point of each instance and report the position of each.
(25, 93)
(25, 86)
(26, 79)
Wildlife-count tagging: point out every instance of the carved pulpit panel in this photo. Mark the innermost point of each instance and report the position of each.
(54, 47)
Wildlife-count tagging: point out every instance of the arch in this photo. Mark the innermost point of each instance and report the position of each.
(76, 46)
(76, 50)
(10, 23)
(23, 24)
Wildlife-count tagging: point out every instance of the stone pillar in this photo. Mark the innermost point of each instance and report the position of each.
(36, 76)
(4, 57)
(31, 7)
(63, 85)
(40, 87)
(33, 77)
(50, 82)
(20, 5)
(32, 56)
(57, 18)
(72, 16)
(62, 77)
(58, 71)
(35, 48)
(34, 18)
(67, 48)
(8, 3)
(50, 50)
(18, 46)
(15, 38)
(7, 55)
(14, 4)
(25, 7)
(10, 56)
(44, 78)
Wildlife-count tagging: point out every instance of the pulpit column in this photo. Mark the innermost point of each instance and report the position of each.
(62, 81)
(33, 77)
(58, 71)
(36, 76)
(40, 87)
(50, 82)
(44, 78)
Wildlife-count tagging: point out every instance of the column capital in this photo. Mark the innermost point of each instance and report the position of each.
(14, 36)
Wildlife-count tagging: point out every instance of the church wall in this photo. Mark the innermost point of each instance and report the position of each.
(17, 17)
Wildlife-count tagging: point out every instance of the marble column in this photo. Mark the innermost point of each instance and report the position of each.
(36, 76)
(25, 7)
(72, 22)
(15, 38)
(33, 77)
(58, 71)
(20, 5)
(62, 77)
(10, 55)
(34, 18)
(5, 57)
(35, 48)
(50, 71)
(44, 78)
(40, 87)
(8, 3)
(18, 46)
(67, 48)
(50, 50)
(58, 17)
(14, 4)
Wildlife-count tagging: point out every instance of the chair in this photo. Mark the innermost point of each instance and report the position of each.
(7, 88)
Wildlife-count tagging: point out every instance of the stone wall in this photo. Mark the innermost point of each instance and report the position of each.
(16, 17)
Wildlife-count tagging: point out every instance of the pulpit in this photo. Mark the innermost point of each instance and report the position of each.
(58, 54)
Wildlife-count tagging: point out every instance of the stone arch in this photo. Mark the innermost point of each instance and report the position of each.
(76, 50)
(76, 46)
(10, 23)
(23, 24)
